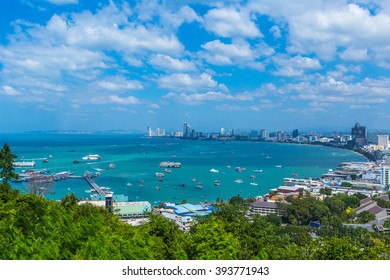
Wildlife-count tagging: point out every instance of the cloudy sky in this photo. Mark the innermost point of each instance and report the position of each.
(99, 65)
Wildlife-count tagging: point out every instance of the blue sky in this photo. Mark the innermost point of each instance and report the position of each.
(100, 65)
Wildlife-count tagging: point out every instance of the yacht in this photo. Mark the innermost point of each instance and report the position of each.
(258, 170)
(238, 181)
(212, 170)
(91, 157)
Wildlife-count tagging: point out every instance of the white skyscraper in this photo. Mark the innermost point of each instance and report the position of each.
(383, 140)
(385, 176)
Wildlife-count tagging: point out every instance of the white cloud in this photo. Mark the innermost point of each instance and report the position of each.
(275, 31)
(118, 83)
(115, 99)
(168, 63)
(199, 98)
(352, 54)
(294, 66)
(154, 106)
(186, 82)
(230, 22)
(10, 91)
(239, 53)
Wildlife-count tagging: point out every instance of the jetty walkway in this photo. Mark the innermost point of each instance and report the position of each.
(99, 190)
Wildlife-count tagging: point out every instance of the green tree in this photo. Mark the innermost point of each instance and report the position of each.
(365, 217)
(6, 166)
(386, 224)
(326, 191)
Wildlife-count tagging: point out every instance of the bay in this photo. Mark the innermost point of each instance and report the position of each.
(137, 159)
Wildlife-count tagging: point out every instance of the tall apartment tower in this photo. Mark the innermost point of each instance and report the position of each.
(295, 133)
(359, 134)
(383, 140)
(385, 176)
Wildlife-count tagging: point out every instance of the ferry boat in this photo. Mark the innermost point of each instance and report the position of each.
(91, 157)
(24, 164)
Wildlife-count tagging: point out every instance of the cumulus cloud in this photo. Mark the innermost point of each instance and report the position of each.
(294, 66)
(199, 98)
(167, 63)
(230, 22)
(186, 82)
(119, 84)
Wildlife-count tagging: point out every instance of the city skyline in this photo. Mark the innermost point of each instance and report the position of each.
(86, 65)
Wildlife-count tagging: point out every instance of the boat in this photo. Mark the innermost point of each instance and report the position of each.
(258, 170)
(159, 174)
(112, 165)
(24, 164)
(294, 174)
(91, 157)
(278, 166)
(160, 179)
(238, 181)
(217, 183)
(252, 176)
(157, 187)
(76, 161)
(228, 166)
(182, 185)
(239, 169)
(129, 184)
(254, 184)
(193, 179)
(212, 170)
(172, 164)
(198, 187)
(45, 160)
(141, 180)
(166, 170)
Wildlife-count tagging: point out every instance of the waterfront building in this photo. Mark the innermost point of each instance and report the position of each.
(222, 131)
(383, 140)
(295, 133)
(264, 134)
(187, 131)
(359, 134)
(149, 132)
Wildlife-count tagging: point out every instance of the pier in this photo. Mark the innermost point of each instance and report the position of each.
(94, 186)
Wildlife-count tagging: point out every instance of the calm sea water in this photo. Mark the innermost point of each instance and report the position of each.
(137, 158)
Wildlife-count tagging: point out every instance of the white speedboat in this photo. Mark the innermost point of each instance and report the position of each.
(91, 157)
(238, 181)
(212, 170)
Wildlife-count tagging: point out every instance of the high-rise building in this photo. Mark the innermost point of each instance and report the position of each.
(150, 132)
(264, 134)
(222, 131)
(383, 140)
(359, 134)
(385, 176)
(295, 133)
(187, 131)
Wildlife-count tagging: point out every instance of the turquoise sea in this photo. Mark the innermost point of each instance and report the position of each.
(138, 158)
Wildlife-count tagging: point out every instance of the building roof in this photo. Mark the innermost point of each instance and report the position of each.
(365, 207)
(289, 188)
(265, 204)
(189, 209)
(132, 208)
(365, 201)
(376, 210)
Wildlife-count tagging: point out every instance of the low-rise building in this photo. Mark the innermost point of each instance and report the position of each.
(265, 208)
